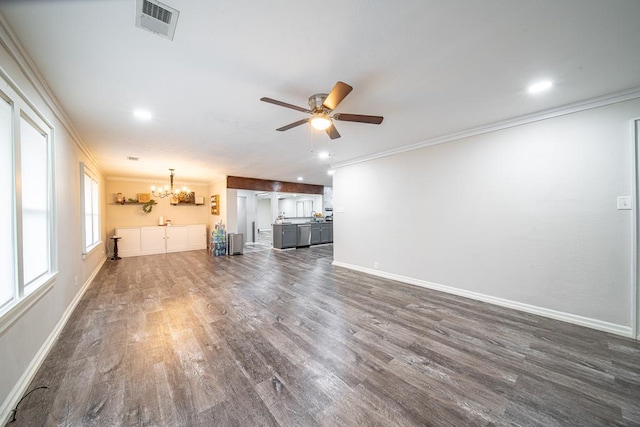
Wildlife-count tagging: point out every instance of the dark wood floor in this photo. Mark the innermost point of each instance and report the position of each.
(285, 338)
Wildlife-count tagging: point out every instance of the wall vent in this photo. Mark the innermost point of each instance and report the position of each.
(156, 17)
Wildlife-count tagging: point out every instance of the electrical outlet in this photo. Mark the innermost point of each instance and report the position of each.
(375, 265)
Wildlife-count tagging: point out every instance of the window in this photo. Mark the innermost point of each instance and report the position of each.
(27, 264)
(7, 260)
(90, 208)
(34, 173)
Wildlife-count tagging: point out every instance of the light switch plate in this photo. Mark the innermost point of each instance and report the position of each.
(624, 203)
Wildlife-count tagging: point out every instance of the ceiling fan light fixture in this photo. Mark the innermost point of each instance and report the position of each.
(320, 122)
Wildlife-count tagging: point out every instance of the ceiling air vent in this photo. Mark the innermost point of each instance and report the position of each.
(156, 17)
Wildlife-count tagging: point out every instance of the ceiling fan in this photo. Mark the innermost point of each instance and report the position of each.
(321, 106)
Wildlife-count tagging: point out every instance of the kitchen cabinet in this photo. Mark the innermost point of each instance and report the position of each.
(197, 237)
(136, 241)
(315, 234)
(152, 240)
(285, 236)
(176, 238)
(326, 233)
(321, 232)
(129, 243)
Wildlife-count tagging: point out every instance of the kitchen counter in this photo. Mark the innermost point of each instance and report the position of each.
(286, 235)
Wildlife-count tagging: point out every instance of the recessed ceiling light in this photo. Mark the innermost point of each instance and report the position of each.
(300, 178)
(331, 172)
(324, 154)
(142, 114)
(540, 86)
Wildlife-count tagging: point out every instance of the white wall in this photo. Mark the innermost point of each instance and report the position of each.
(231, 209)
(24, 343)
(524, 217)
(252, 209)
(133, 215)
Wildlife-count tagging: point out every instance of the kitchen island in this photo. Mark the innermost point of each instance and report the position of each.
(288, 235)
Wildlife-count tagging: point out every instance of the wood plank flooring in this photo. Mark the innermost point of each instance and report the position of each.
(284, 338)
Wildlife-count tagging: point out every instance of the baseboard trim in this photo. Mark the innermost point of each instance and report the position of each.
(21, 386)
(588, 322)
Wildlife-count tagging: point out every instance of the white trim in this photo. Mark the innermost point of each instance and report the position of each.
(154, 180)
(601, 101)
(635, 184)
(540, 311)
(20, 387)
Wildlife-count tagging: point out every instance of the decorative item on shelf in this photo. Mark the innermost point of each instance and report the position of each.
(147, 207)
(184, 198)
(168, 223)
(144, 197)
(168, 190)
(131, 200)
(119, 198)
(215, 204)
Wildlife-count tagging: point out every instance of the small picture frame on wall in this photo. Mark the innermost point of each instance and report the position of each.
(144, 197)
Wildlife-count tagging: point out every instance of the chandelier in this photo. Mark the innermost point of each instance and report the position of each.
(167, 189)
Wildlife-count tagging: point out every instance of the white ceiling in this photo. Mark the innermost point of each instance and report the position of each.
(430, 67)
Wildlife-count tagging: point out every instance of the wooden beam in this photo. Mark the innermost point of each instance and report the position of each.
(242, 183)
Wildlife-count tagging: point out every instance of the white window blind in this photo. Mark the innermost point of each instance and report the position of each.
(35, 201)
(91, 208)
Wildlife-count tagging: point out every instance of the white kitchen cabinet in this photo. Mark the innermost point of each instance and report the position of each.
(137, 241)
(129, 243)
(152, 240)
(196, 237)
(177, 239)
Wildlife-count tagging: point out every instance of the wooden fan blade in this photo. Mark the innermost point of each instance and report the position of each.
(284, 104)
(294, 124)
(374, 120)
(337, 94)
(332, 132)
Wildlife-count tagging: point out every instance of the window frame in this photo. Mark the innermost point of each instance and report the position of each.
(27, 294)
(86, 171)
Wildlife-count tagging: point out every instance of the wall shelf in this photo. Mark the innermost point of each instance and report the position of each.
(215, 204)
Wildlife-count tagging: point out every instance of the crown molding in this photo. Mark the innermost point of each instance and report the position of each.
(11, 44)
(576, 107)
(156, 180)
